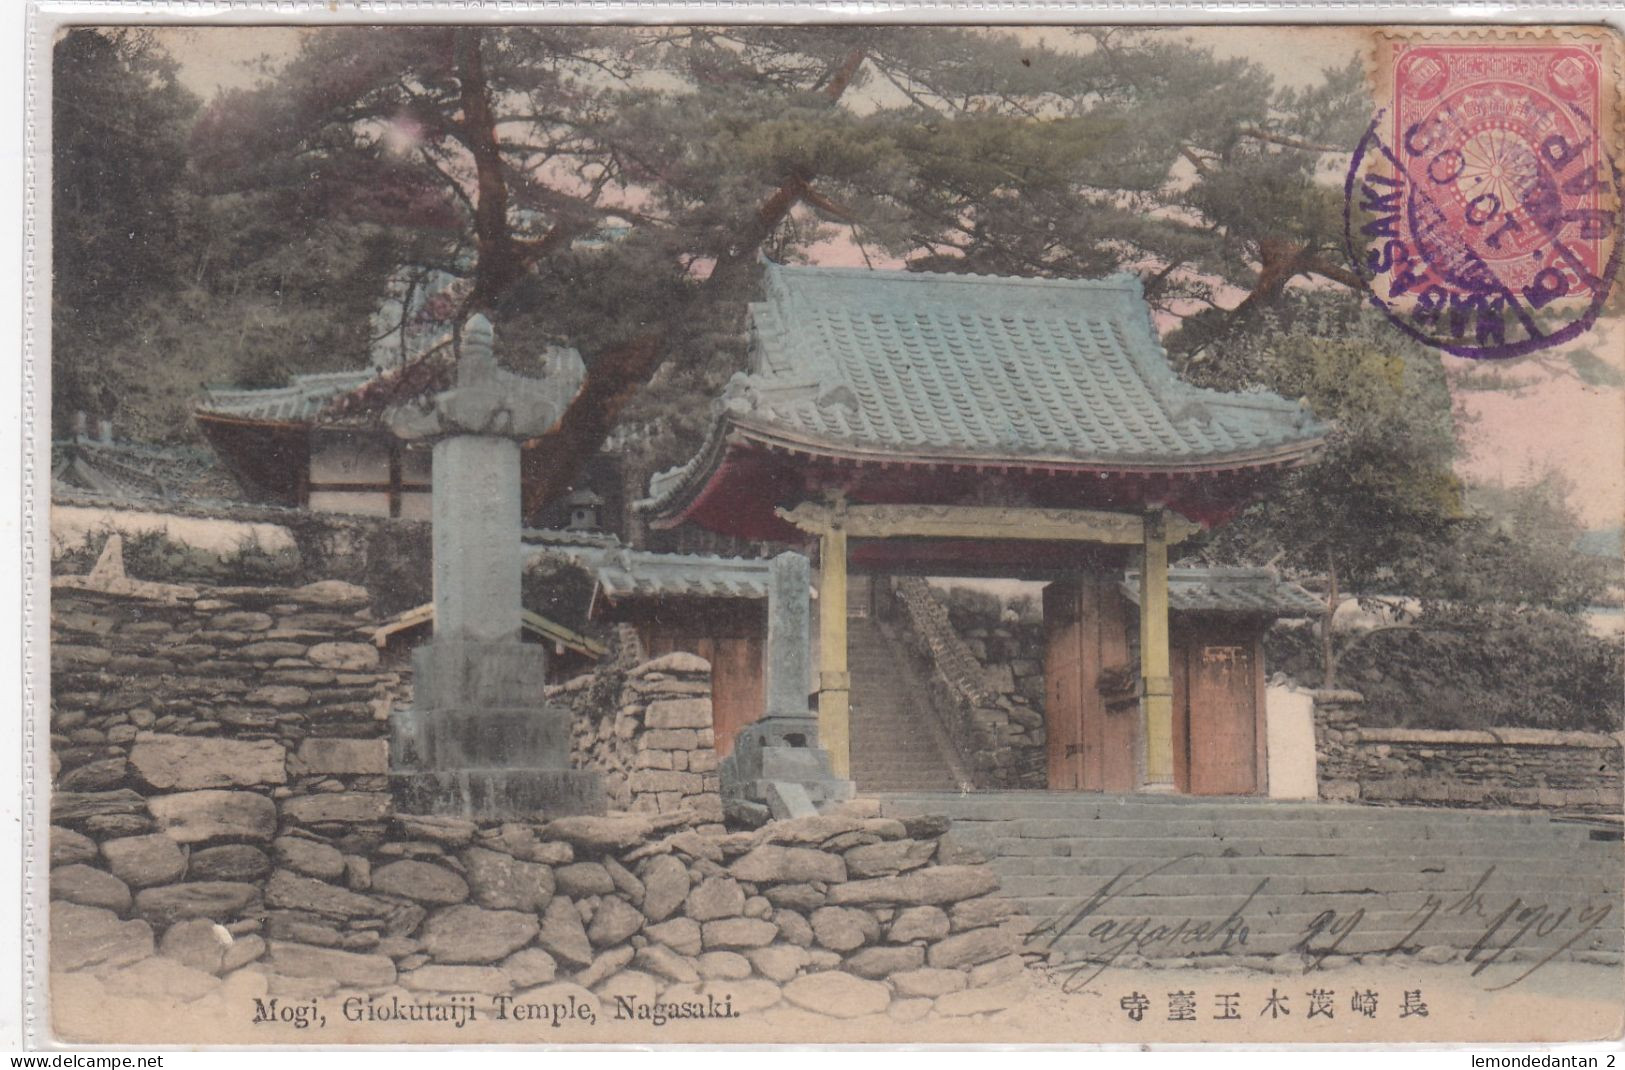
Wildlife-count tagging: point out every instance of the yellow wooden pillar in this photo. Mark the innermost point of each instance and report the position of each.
(834, 682)
(1156, 681)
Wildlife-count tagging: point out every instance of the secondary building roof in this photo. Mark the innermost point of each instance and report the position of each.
(622, 573)
(1037, 375)
(641, 573)
(301, 401)
(535, 625)
(331, 397)
(137, 470)
(1253, 591)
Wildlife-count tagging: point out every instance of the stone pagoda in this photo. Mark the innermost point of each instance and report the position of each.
(480, 740)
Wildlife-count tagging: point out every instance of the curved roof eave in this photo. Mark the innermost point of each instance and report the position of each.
(771, 436)
(673, 504)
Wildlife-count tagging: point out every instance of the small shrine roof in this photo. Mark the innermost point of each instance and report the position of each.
(622, 572)
(534, 624)
(137, 470)
(354, 396)
(1257, 591)
(298, 402)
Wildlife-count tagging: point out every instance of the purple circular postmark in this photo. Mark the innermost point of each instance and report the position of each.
(1481, 209)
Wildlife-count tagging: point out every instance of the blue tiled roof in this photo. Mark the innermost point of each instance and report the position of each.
(139, 470)
(1258, 591)
(622, 572)
(298, 402)
(980, 368)
(1013, 367)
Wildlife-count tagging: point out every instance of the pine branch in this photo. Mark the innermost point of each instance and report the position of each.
(1288, 142)
(618, 373)
(831, 208)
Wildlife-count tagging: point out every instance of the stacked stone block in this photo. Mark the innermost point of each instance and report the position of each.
(387, 555)
(650, 733)
(273, 664)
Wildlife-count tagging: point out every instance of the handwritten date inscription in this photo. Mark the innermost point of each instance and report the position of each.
(1489, 920)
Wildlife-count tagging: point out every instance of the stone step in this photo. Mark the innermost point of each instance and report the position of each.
(1281, 847)
(1361, 941)
(912, 763)
(1411, 828)
(1106, 865)
(893, 776)
(1284, 847)
(1393, 927)
(1284, 942)
(1593, 861)
(1409, 831)
(894, 750)
(877, 773)
(1056, 853)
(1067, 865)
(1561, 918)
(1447, 886)
(893, 745)
(1282, 894)
(1004, 806)
(1088, 807)
(1023, 800)
(1105, 828)
(881, 747)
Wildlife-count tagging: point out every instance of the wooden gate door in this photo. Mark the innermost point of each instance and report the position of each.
(1090, 747)
(1063, 683)
(738, 688)
(1221, 677)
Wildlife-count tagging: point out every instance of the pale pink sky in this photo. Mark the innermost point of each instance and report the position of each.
(1561, 423)
(1556, 422)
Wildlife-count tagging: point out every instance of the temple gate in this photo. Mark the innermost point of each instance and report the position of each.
(1028, 428)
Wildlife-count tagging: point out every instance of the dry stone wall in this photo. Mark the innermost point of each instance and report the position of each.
(845, 914)
(649, 731)
(222, 830)
(160, 688)
(1573, 772)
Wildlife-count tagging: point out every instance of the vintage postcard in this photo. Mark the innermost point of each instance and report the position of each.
(661, 532)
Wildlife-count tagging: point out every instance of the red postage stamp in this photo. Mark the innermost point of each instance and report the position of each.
(564, 525)
(1484, 204)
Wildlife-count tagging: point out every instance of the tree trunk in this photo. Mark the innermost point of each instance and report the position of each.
(1328, 652)
(497, 265)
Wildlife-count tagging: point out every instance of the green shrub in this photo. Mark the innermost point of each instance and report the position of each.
(1503, 668)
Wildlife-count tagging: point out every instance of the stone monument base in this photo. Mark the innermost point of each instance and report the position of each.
(503, 794)
(482, 742)
(777, 762)
(534, 738)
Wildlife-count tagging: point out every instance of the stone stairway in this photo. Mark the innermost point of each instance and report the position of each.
(897, 745)
(1109, 877)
